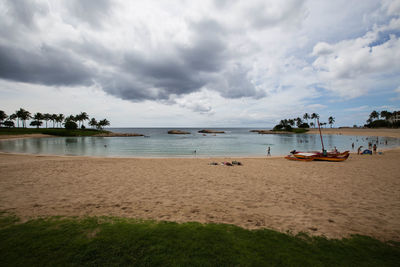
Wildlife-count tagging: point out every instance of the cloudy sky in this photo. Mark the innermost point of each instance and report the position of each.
(201, 63)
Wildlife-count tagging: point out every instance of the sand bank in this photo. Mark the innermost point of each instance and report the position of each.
(359, 131)
(18, 136)
(359, 196)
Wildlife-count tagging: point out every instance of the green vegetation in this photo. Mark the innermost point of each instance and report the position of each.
(106, 241)
(51, 131)
(383, 119)
(288, 124)
(57, 119)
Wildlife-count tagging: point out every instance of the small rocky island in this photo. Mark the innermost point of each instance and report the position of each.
(210, 131)
(177, 132)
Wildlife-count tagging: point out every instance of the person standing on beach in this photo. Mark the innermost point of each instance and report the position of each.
(269, 152)
(374, 148)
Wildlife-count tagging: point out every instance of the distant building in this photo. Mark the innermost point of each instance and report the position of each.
(395, 117)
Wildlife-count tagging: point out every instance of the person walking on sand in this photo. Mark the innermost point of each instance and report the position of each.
(269, 152)
(374, 148)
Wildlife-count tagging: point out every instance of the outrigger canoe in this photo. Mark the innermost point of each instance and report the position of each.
(318, 156)
(291, 157)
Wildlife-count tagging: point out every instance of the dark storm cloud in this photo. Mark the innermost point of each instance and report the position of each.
(23, 12)
(93, 12)
(156, 78)
(184, 70)
(237, 83)
(128, 74)
(47, 65)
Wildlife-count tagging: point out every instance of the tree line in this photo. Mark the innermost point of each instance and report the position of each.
(58, 120)
(383, 119)
(288, 124)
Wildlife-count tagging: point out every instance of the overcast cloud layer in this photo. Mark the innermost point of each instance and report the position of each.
(236, 61)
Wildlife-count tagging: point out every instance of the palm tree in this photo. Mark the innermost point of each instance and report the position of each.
(60, 119)
(77, 118)
(3, 116)
(23, 115)
(20, 114)
(374, 115)
(103, 123)
(70, 118)
(83, 117)
(284, 122)
(306, 116)
(12, 118)
(314, 116)
(93, 122)
(331, 120)
(54, 119)
(46, 117)
(38, 117)
(298, 121)
(386, 114)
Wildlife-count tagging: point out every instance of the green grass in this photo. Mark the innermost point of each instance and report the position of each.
(105, 241)
(50, 131)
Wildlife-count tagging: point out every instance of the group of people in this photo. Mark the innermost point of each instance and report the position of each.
(367, 151)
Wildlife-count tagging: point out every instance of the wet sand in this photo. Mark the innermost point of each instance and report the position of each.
(358, 196)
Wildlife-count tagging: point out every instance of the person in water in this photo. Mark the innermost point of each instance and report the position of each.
(374, 148)
(269, 151)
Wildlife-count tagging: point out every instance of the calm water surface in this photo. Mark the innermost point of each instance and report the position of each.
(235, 142)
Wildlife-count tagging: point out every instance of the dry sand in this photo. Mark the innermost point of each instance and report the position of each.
(358, 196)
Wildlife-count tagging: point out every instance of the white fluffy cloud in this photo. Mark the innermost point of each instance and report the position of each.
(352, 67)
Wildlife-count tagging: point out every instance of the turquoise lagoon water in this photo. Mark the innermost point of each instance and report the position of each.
(235, 142)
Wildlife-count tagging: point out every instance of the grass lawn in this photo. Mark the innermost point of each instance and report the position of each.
(50, 131)
(106, 241)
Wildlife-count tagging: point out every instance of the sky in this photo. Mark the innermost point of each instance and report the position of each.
(181, 63)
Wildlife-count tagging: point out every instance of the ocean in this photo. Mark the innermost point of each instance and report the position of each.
(235, 142)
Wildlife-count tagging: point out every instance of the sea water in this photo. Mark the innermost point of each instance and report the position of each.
(235, 142)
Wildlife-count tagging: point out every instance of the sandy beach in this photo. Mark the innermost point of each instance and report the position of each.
(358, 196)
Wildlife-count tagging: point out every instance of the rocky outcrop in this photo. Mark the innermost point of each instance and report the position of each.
(177, 132)
(210, 131)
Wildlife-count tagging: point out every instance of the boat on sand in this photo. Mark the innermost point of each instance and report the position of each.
(334, 156)
(319, 156)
